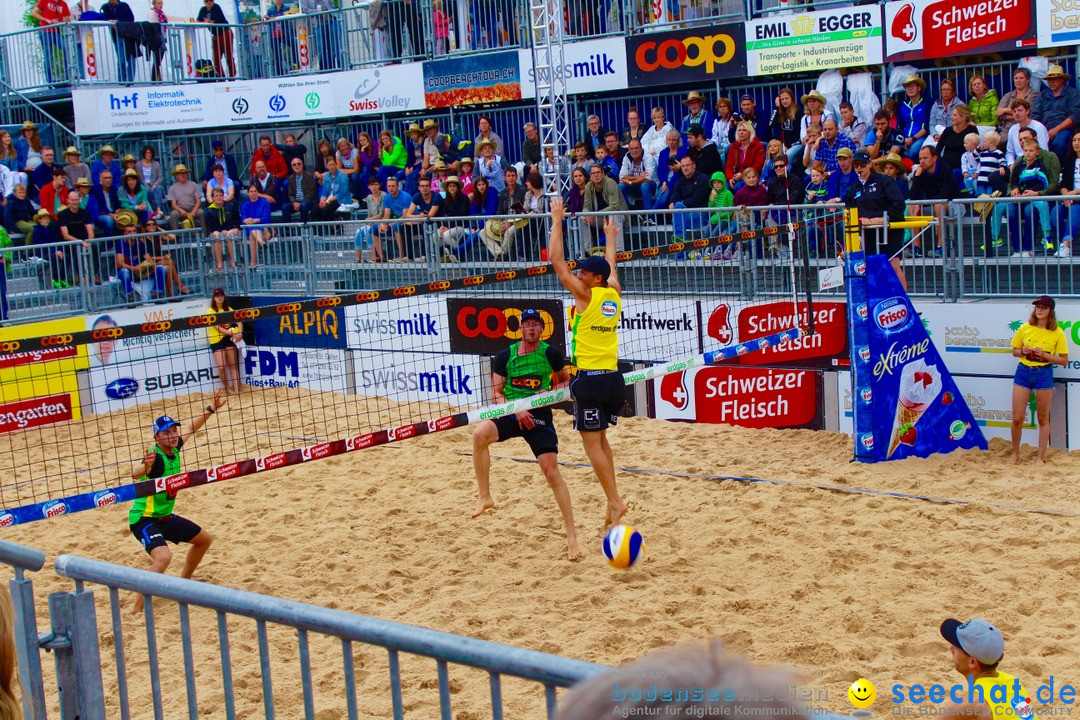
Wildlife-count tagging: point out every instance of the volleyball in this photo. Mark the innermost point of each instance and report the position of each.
(623, 545)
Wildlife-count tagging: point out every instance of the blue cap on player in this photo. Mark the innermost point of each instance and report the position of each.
(531, 314)
(596, 265)
(163, 423)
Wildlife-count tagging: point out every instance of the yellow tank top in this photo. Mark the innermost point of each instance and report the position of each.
(1000, 694)
(595, 343)
(213, 335)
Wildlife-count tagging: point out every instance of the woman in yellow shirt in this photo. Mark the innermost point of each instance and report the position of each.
(1040, 344)
(223, 339)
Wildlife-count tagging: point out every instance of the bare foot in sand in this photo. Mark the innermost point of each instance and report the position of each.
(573, 552)
(615, 513)
(1041, 460)
(137, 609)
(481, 505)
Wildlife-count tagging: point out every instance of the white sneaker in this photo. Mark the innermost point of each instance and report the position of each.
(1027, 254)
(1065, 251)
(1017, 255)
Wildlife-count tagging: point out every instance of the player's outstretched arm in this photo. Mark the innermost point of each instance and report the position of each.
(611, 230)
(555, 253)
(199, 420)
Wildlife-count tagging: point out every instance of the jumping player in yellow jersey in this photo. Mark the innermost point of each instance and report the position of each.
(598, 389)
(977, 647)
(151, 518)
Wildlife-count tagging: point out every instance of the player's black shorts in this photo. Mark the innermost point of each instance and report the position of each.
(223, 344)
(542, 438)
(153, 532)
(599, 396)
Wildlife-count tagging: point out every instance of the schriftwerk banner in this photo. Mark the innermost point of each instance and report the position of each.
(815, 41)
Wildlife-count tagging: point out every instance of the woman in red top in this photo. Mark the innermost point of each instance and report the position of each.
(51, 12)
(746, 152)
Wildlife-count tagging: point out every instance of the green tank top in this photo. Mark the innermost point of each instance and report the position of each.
(159, 505)
(527, 374)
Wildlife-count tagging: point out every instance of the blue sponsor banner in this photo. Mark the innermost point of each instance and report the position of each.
(319, 328)
(916, 408)
(859, 350)
(492, 77)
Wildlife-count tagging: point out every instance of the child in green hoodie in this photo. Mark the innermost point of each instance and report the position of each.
(720, 197)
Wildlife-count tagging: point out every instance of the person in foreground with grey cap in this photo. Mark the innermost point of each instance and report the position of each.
(526, 368)
(977, 647)
(598, 389)
(151, 519)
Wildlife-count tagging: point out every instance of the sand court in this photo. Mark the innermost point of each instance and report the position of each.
(836, 585)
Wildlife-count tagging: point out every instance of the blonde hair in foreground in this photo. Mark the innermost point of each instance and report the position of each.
(692, 681)
(9, 706)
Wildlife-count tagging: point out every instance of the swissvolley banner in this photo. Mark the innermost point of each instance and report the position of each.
(906, 403)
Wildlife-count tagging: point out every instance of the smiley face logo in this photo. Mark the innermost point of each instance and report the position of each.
(862, 693)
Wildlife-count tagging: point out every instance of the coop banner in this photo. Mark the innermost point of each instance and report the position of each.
(702, 54)
(915, 405)
(814, 42)
(493, 77)
(924, 29)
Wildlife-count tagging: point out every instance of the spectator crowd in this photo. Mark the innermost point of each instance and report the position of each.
(428, 184)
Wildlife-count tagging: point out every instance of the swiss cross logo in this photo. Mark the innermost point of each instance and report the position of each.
(359, 442)
(903, 26)
(673, 390)
(719, 327)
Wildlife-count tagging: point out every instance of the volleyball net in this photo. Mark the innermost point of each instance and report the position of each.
(324, 376)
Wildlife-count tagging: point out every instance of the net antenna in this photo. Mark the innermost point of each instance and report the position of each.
(549, 62)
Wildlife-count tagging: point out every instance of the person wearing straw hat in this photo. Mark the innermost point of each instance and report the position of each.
(893, 166)
(913, 118)
(106, 161)
(74, 168)
(698, 114)
(1058, 108)
(46, 232)
(815, 112)
(151, 519)
(414, 165)
(185, 199)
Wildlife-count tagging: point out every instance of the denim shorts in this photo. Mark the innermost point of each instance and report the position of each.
(1034, 378)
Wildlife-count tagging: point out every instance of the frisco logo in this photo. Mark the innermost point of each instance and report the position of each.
(609, 308)
(763, 343)
(867, 440)
(316, 452)
(359, 442)
(741, 350)
(862, 310)
(54, 508)
(892, 315)
(866, 394)
(270, 462)
(860, 267)
(105, 497)
(6, 519)
(864, 353)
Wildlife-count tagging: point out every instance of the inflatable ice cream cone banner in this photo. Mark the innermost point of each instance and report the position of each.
(906, 403)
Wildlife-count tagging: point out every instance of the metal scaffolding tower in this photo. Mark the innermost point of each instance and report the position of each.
(548, 70)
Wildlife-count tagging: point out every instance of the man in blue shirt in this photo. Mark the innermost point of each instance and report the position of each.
(302, 192)
(335, 185)
(106, 161)
(134, 262)
(425, 206)
(884, 139)
(841, 178)
(397, 203)
(831, 143)
(1058, 108)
